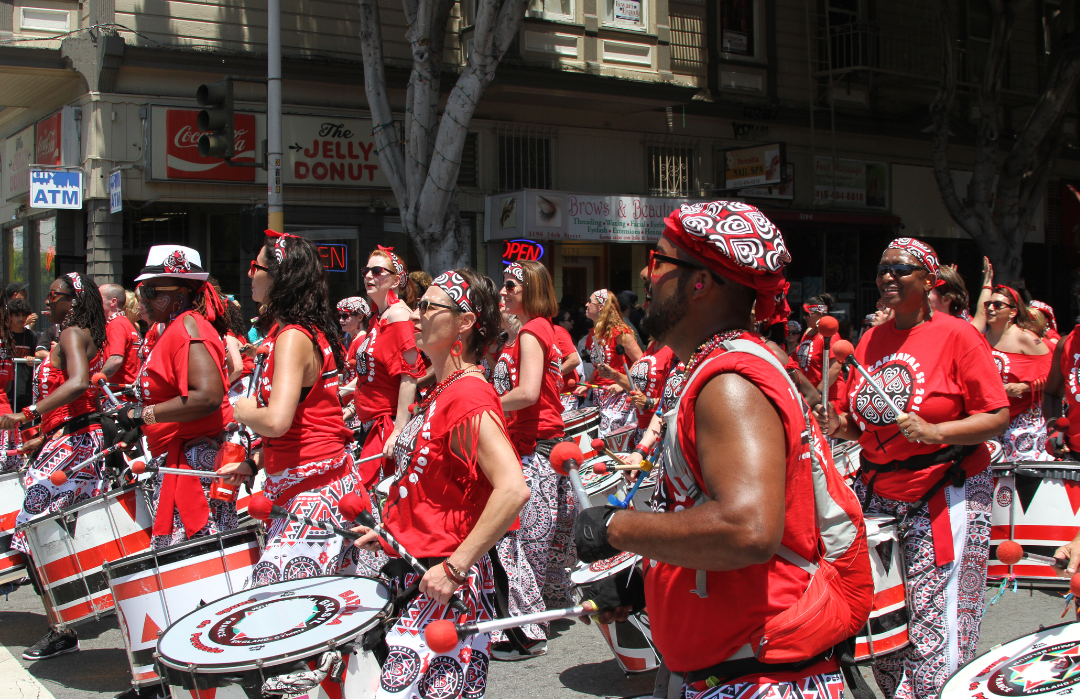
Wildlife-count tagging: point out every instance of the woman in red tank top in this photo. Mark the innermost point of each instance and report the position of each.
(459, 488)
(353, 313)
(308, 469)
(67, 405)
(609, 332)
(181, 386)
(387, 363)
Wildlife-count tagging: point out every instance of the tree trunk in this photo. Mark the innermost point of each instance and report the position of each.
(447, 247)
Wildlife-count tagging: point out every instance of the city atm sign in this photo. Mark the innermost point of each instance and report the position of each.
(56, 189)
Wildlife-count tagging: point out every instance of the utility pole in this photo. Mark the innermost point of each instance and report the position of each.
(275, 198)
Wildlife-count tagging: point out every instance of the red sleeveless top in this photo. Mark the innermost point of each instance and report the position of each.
(48, 378)
(606, 354)
(1023, 368)
(380, 362)
(318, 431)
(542, 419)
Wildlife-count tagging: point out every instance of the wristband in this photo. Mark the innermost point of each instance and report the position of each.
(148, 417)
(451, 572)
(252, 465)
(31, 413)
(641, 449)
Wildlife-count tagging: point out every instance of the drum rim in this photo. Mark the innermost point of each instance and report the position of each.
(632, 561)
(242, 529)
(1011, 466)
(258, 663)
(113, 494)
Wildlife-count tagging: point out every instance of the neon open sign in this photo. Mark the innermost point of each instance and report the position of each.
(519, 250)
(334, 257)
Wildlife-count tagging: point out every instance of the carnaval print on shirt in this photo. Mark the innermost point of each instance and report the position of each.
(902, 378)
(1001, 360)
(504, 377)
(1073, 379)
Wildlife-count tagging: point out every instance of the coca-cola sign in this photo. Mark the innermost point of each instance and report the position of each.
(182, 159)
(48, 149)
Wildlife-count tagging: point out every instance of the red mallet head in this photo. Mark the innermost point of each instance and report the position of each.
(138, 468)
(563, 452)
(58, 478)
(1062, 424)
(828, 326)
(441, 636)
(98, 379)
(259, 506)
(352, 504)
(842, 349)
(262, 351)
(1010, 552)
(571, 384)
(600, 469)
(1074, 585)
(598, 444)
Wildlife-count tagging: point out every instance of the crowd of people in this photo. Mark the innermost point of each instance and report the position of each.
(448, 394)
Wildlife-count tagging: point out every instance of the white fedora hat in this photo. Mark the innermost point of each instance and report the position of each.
(173, 261)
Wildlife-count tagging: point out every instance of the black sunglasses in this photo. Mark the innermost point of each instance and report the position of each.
(898, 270)
(376, 271)
(424, 305)
(149, 292)
(510, 285)
(998, 305)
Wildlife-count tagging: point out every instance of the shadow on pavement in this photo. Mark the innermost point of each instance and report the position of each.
(21, 629)
(606, 680)
(93, 670)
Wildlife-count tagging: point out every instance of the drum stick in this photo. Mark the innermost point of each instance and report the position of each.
(601, 469)
(346, 389)
(262, 508)
(827, 326)
(260, 362)
(601, 446)
(851, 361)
(566, 458)
(1011, 553)
(139, 468)
(443, 635)
(58, 478)
(101, 382)
(623, 504)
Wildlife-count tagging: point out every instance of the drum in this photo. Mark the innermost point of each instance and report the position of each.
(583, 425)
(1040, 664)
(243, 497)
(299, 634)
(622, 439)
(886, 630)
(152, 590)
(598, 487)
(70, 547)
(1035, 504)
(12, 562)
(846, 457)
(997, 452)
(382, 491)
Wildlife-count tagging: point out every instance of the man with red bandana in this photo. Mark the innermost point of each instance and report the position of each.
(729, 551)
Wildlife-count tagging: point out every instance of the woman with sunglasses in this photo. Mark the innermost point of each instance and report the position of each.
(811, 352)
(387, 363)
(459, 488)
(66, 404)
(609, 332)
(929, 466)
(308, 468)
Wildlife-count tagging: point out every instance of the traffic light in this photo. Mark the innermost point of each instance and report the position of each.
(217, 118)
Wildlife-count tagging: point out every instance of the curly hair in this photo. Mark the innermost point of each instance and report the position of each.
(609, 321)
(298, 293)
(236, 320)
(86, 311)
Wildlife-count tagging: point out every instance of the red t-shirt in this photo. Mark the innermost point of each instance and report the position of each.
(164, 376)
(1022, 368)
(48, 378)
(318, 431)
(810, 354)
(1070, 371)
(739, 601)
(564, 342)
(648, 375)
(606, 354)
(122, 339)
(380, 362)
(542, 419)
(940, 369)
(439, 496)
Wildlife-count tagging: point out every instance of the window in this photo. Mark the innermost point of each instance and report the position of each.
(524, 162)
(552, 9)
(671, 170)
(468, 175)
(628, 14)
(738, 28)
(45, 20)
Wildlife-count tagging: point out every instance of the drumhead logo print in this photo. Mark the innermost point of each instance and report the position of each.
(274, 620)
(901, 379)
(1048, 669)
(501, 377)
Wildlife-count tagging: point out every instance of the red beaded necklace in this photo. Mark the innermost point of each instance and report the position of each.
(416, 409)
(706, 348)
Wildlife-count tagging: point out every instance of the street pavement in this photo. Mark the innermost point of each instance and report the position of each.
(578, 663)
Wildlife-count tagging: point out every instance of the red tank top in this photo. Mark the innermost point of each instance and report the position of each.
(1023, 368)
(318, 431)
(542, 419)
(48, 378)
(739, 601)
(439, 496)
(810, 355)
(1070, 370)
(380, 362)
(606, 354)
(648, 375)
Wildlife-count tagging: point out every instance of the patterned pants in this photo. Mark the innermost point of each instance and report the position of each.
(200, 456)
(945, 603)
(10, 440)
(412, 670)
(616, 410)
(60, 453)
(824, 686)
(295, 550)
(537, 555)
(1025, 437)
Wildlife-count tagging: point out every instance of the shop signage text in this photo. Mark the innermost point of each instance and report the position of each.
(330, 151)
(18, 154)
(116, 201)
(334, 257)
(851, 183)
(48, 139)
(183, 161)
(754, 167)
(519, 250)
(56, 189)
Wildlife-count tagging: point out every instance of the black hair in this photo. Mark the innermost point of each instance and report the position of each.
(221, 322)
(236, 320)
(485, 302)
(18, 305)
(825, 300)
(298, 293)
(87, 311)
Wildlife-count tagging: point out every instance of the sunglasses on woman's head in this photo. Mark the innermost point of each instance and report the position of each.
(898, 270)
(149, 292)
(424, 305)
(996, 305)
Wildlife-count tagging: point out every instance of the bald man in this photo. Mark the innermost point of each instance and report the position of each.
(122, 338)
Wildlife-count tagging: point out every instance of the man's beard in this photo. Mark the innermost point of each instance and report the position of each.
(665, 314)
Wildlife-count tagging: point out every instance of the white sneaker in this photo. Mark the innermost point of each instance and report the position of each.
(505, 651)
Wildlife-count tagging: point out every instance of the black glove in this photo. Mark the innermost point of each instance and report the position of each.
(125, 421)
(590, 534)
(624, 589)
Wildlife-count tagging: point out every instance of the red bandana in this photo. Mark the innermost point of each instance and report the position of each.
(1046, 311)
(820, 308)
(76, 283)
(516, 271)
(279, 242)
(919, 250)
(399, 269)
(456, 288)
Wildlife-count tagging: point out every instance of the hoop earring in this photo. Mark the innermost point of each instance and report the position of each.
(457, 348)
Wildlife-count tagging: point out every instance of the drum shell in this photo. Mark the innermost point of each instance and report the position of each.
(153, 589)
(631, 643)
(621, 440)
(70, 547)
(583, 426)
(598, 487)
(846, 458)
(12, 492)
(1035, 504)
(886, 631)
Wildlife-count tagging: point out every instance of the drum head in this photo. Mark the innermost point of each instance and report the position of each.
(572, 418)
(588, 574)
(277, 623)
(594, 482)
(383, 486)
(1044, 664)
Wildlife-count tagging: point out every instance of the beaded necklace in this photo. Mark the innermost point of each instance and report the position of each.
(706, 348)
(420, 408)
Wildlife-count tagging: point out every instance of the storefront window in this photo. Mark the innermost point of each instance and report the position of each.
(14, 247)
(552, 9)
(46, 228)
(629, 14)
(339, 248)
(738, 28)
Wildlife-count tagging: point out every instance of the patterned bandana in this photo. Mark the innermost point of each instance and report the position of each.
(76, 283)
(736, 241)
(516, 271)
(602, 297)
(794, 326)
(356, 305)
(279, 243)
(456, 288)
(819, 308)
(1046, 311)
(399, 266)
(919, 250)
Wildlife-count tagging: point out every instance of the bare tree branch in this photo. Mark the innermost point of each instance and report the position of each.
(386, 136)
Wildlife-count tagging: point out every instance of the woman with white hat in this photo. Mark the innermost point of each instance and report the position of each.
(67, 406)
(182, 385)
